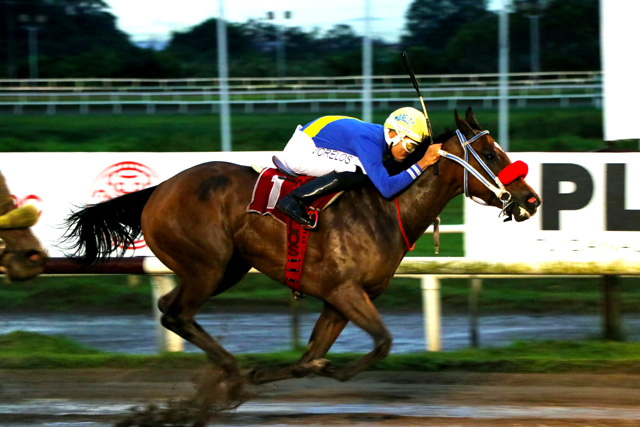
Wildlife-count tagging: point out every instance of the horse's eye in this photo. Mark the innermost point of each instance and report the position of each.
(490, 156)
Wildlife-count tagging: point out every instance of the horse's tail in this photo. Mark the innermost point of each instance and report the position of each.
(97, 231)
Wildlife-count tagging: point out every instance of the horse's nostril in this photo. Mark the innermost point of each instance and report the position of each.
(534, 201)
(35, 256)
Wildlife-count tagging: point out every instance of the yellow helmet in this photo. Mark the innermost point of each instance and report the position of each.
(407, 121)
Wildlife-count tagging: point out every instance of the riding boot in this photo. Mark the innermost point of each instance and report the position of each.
(295, 203)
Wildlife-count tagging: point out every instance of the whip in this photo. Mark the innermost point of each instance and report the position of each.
(412, 75)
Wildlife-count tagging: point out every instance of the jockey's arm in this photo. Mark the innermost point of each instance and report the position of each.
(430, 157)
(379, 176)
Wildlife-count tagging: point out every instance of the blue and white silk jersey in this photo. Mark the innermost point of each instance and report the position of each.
(340, 143)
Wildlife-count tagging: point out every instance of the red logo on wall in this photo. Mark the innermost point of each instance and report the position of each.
(123, 178)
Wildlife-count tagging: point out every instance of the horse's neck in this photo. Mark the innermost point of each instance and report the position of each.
(423, 201)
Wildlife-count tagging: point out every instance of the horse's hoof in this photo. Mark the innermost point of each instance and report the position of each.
(316, 366)
(252, 377)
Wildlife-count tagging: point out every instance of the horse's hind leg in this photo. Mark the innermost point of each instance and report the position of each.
(236, 269)
(222, 387)
(325, 332)
(180, 306)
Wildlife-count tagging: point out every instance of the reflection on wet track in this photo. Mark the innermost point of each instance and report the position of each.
(250, 412)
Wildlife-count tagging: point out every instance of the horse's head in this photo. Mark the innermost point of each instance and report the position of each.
(516, 197)
(21, 255)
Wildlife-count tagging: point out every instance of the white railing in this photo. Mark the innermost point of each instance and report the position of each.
(252, 83)
(183, 94)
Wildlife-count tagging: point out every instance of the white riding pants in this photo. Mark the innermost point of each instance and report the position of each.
(302, 156)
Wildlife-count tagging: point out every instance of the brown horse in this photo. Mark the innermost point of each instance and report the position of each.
(21, 255)
(197, 224)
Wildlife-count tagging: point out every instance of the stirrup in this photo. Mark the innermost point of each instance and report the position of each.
(313, 214)
(298, 212)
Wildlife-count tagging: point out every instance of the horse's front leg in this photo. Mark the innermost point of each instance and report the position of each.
(325, 332)
(355, 305)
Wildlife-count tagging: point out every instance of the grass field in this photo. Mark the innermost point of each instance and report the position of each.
(117, 294)
(23, 350)
(576, 129)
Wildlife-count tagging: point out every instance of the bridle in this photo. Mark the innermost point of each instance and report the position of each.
(508, 174)
(14, 223)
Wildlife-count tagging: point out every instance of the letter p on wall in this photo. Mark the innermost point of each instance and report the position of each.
(618, 217)
(555, 201)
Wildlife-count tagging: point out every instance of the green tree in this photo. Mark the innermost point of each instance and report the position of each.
(197, 48)
(340, 38)
(76, 38)
(570, 35)
(473, 49)
(433, 23)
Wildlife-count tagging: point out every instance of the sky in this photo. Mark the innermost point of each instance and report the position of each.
(148, 20)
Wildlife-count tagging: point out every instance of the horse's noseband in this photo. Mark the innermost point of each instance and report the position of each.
(513, 171)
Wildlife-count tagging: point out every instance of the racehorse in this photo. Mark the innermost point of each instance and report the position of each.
(197, 224)
(21, 255)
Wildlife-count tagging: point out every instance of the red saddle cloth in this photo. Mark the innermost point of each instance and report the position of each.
(270, 187)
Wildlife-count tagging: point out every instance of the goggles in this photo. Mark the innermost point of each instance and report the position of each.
(409, 144)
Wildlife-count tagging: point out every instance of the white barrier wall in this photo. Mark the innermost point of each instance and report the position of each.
(590, 211)
(620, 77)
(57, 182)
(591, 205)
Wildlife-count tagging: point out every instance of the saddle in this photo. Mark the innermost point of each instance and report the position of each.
(273, 184)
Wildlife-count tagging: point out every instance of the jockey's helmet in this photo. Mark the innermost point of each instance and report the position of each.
(408, 123)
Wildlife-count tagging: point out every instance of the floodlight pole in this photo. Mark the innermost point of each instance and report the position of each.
(367, 68)
(32, 24)
(503, 71)
(223, 77)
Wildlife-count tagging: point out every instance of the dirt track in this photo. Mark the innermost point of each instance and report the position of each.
(104, 397)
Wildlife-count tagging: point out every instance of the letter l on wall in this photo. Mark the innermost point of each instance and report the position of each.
(619, 218)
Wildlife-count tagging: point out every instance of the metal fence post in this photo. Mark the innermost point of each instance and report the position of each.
(431, 311)
(295, 323)
(165, 339)
(474, 308)
(611, 322)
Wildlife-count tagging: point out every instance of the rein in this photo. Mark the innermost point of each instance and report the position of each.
(508, 174)
(406, 240)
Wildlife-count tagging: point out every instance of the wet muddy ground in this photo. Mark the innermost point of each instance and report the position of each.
(101, 397)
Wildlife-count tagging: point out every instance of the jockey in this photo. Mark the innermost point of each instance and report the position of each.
(344, 153)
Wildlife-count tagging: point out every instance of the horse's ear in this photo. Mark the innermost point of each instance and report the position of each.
(463, 126)
(471, 119)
